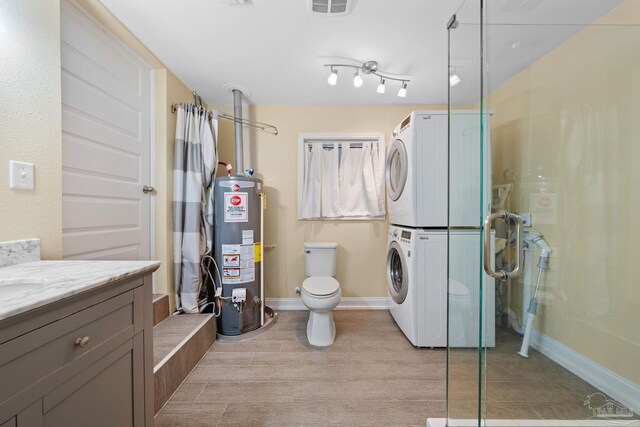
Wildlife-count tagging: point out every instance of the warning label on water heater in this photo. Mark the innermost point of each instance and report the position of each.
(238, 263)
(235, 207)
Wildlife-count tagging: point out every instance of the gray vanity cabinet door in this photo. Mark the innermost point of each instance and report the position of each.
(31, 416)
(9, 423)
(112, 378)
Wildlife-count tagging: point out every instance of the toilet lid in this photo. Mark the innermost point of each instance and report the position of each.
(321, 285)
(457, 289)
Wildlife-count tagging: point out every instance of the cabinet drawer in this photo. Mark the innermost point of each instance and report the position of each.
(30, 358)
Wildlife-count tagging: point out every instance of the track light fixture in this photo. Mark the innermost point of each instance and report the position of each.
(369, 67)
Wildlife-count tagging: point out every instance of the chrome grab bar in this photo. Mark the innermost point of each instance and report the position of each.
(502, 274)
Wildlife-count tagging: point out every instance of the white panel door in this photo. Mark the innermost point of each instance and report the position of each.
(105, 143)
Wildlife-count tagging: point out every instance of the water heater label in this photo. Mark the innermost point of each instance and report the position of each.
(230, 275)
(247, 237)
(238, 264)
(235, 207)
(231, 260)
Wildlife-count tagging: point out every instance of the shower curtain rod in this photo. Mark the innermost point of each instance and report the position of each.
(265, 127)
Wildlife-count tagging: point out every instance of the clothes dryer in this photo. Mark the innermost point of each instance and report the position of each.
(417, 170)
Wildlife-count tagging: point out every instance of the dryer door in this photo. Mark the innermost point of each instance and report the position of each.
(397, 273)
(397, 169)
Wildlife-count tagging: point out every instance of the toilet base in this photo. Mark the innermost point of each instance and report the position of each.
(321, 329)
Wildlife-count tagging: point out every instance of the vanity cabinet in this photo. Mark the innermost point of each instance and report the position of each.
(85, 360)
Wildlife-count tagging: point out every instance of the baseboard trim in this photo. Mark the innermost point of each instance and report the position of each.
(621, 389)
(442, 422)
(346, 303)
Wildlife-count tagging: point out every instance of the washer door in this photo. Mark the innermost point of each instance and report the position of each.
(397, 273)
(397, 169)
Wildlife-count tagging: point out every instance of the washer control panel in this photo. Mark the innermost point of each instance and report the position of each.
(402, 236)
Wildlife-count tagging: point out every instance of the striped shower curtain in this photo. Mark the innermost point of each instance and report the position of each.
(195, 163)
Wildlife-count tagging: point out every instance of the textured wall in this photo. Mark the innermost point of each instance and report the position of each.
(30, 128)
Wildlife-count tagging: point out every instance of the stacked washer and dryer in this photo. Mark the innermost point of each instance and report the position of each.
(435, 226)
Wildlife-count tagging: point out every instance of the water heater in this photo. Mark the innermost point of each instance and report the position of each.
(237, 252)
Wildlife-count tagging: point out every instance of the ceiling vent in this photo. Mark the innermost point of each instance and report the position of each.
(330, 7)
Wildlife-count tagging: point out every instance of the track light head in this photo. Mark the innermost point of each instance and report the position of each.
(333, 77)
(381, 86)
(402, 93)
(357, 80)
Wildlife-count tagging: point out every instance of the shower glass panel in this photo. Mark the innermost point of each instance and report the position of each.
(554, 89)
(465, 327)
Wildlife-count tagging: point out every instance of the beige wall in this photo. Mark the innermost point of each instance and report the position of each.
(362, 244)
(30, 128)
(568, 126)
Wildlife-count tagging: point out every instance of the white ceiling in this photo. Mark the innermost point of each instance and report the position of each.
(277, 49)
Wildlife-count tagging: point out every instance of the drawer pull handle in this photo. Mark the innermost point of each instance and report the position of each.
(82, 342)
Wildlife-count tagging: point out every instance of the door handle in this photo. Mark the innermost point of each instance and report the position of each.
(148, 189)
(517, 269)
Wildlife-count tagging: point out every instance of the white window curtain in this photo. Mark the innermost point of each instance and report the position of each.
(343, 180)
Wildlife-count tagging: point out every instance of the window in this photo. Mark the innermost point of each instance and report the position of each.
(341, 176)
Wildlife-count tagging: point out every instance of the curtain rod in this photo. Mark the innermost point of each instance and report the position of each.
(265, 127)
(352, 144)
(340, 141)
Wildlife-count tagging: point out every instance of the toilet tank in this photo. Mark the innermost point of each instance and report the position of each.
(320, 258)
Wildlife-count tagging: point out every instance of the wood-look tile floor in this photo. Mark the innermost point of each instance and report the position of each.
(370, 376)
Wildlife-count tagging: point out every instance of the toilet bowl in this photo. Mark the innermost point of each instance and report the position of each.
(321, 294)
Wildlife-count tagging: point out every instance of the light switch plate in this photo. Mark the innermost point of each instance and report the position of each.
(21, 175)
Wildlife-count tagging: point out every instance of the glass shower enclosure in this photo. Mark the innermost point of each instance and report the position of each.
(544, 295)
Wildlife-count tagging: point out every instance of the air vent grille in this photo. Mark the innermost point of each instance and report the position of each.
(330, 7)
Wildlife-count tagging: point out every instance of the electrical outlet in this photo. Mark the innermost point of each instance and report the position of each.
(21, 175)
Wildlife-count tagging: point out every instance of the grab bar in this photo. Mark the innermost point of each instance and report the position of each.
(517, 269)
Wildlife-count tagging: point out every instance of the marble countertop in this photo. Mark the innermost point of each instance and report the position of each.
(30, 285)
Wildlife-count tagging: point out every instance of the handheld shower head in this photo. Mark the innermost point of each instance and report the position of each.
(533, 237)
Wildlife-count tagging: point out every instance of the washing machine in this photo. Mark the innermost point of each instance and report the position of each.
(417, 285)
(417, 170)
(417, 289)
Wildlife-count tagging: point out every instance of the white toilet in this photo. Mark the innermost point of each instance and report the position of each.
(320, 291)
